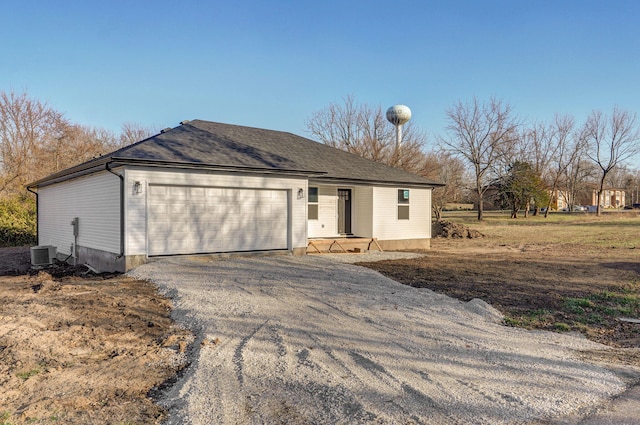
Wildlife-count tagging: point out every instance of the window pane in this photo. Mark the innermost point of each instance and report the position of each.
(313, 211)
(313, 194)
(403, 212)
(403, 196)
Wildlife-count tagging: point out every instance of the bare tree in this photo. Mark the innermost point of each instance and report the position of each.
(480, 134)
(631, 184)
(575, 179)
(364, 131)
(132, 132)
(565, 150)
(530, 146)
(75, 144)
(611, 141)
(36, 140)
(26, 125)
(448, 170)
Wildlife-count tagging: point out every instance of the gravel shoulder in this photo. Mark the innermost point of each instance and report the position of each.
(314, 340)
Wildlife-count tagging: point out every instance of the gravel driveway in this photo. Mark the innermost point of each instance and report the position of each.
(301, 340)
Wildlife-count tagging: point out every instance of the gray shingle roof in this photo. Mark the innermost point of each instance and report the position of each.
(210, 144)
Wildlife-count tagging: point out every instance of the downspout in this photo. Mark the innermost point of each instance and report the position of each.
(121, 209)
(37, 216)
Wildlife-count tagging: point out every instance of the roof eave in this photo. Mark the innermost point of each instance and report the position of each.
(216, 167)
(93, 167)
(405, 183)
(69, 173)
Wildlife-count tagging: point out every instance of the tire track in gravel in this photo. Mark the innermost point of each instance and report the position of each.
(360, 367)
(367, 371)
(381, 374)
(237, 354)
(363, 368)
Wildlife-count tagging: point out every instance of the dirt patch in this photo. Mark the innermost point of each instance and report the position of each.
(80, 348)
(15, 261)
(449, 229)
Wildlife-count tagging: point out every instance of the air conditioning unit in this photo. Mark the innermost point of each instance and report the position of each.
(43, 255)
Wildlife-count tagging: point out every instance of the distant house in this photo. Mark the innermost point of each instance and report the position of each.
(206, 187)
(611, 198)
(560, 199)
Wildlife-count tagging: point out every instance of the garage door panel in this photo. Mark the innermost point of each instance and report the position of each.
(185, 220)
(158, 210)
(214, 209)
(197, 192)
(158, 190)
(178, 228)
(176, 208)
(197, 209)
(211, 192)
(178, 192)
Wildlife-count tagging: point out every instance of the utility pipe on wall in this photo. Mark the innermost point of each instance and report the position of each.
(37, 216)
(121, 209)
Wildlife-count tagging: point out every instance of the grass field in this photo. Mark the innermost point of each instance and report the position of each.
(619, 229)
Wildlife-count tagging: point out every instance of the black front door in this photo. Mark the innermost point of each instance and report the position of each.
(344, 211)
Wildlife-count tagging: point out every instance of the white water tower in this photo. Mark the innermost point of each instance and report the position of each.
(398, 115)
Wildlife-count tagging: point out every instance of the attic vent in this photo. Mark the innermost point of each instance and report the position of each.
(184, 122)
(165, 130)
(43, 255)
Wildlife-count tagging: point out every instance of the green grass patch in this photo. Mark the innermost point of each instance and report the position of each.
(605, 303)
(530, 319)
(29, 373)
(5, 418)
(593, 310)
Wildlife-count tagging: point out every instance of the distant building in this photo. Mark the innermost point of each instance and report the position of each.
(560, 199)
(611, 198)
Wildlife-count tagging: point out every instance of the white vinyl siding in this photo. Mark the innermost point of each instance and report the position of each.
(137, 203)
(387, 226)
(94, 199)
(362, 211)
(374, 213)
(327, 223)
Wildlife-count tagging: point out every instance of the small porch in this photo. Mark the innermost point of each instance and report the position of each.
(346, 244)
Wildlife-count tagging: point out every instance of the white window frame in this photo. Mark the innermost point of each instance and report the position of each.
(315, 203)
(403, 203)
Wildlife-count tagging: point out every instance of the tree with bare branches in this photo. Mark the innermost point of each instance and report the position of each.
(611, 140)
(480, 133)
(132, 132)
(565, 149)
(26, 127)
(36, 140)
(74, 145)
(365, 131)
(449, 170)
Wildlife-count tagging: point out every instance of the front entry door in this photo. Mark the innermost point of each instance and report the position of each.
(344, 211)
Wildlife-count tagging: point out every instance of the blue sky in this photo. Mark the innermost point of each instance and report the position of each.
(272, 63)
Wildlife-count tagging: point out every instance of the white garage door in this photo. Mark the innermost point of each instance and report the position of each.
(190, 220)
